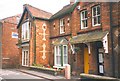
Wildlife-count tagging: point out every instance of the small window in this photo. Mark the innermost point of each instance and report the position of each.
(62, 26)
(84, 22)
(96, 15)
(54, 25)
(26, 31)
(68, 21)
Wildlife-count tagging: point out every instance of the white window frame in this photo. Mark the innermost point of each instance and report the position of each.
(26, 28)
(55, 59)
(97, 15)
(24, 57)
(84, 19)
(62, 26)
(66, 55)
(56, 51)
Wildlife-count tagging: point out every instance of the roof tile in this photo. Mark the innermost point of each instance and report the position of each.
(38, 12)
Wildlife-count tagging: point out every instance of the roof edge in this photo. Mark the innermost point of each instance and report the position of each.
(67, 12)
(25, 9)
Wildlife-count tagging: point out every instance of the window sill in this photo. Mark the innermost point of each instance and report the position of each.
(96, 25)
(83, 28)
(25, 65)
(89, 29)
(62, 32)
(26, 40)
(61, 67)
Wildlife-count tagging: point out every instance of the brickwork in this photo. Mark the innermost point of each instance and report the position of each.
(105, 25)
(42, 42)
(45, 32)
(55, 26)
(10, 54)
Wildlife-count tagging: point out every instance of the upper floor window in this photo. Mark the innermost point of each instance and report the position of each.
(26, 31)
(96, 15)
(62, 26)
(84, 22)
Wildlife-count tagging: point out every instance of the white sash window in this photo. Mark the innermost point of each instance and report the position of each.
(25, 31)
(84, 22)
(60, 55)
(96, 15)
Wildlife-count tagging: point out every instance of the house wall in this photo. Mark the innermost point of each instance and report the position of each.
(55, 31)
(10, 52)
(115, 33)
(105, 25)
(76, 24)
(42, 45)
(31, 42)
(55, 34)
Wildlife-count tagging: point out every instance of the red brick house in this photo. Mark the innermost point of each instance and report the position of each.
(80, 34)
(34, 43)
(8, 39)
(60, 34)
(92, 36)
(87, 26)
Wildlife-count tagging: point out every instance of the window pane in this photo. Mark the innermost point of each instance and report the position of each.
(65, 60)
(59, 50)
(98, 19)
(58, 60)
(95, 21)
(85, 14)
(63, 22)
(62, 27)
(98, 10)
(85, 23)
(58, 55)
(84, 19)
(65, 52)
(94, 11)
(24, 58)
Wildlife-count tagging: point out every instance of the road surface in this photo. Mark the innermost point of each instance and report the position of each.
(14, 75)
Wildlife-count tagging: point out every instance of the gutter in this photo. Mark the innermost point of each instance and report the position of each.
(41, 18)
(111, 35)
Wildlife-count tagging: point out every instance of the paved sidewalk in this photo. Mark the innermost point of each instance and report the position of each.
(40, 74)
(44, 75)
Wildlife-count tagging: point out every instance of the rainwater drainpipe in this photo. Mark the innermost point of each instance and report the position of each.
(1, 25)
(111, 35)
(34, 41)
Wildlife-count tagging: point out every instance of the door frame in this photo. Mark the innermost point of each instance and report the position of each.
(86, 69)
(99, 46)
(24, 59)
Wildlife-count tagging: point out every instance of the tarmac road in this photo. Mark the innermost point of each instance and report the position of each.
(14, 75)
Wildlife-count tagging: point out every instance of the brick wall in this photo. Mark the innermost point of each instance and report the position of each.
(10, 52)
(42, 45)
(55, 26)
(105, 25)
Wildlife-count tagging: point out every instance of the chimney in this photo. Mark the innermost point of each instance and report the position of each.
(72, 2)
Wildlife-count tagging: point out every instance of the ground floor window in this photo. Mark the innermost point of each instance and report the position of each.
(25, 57)
(61, 55)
